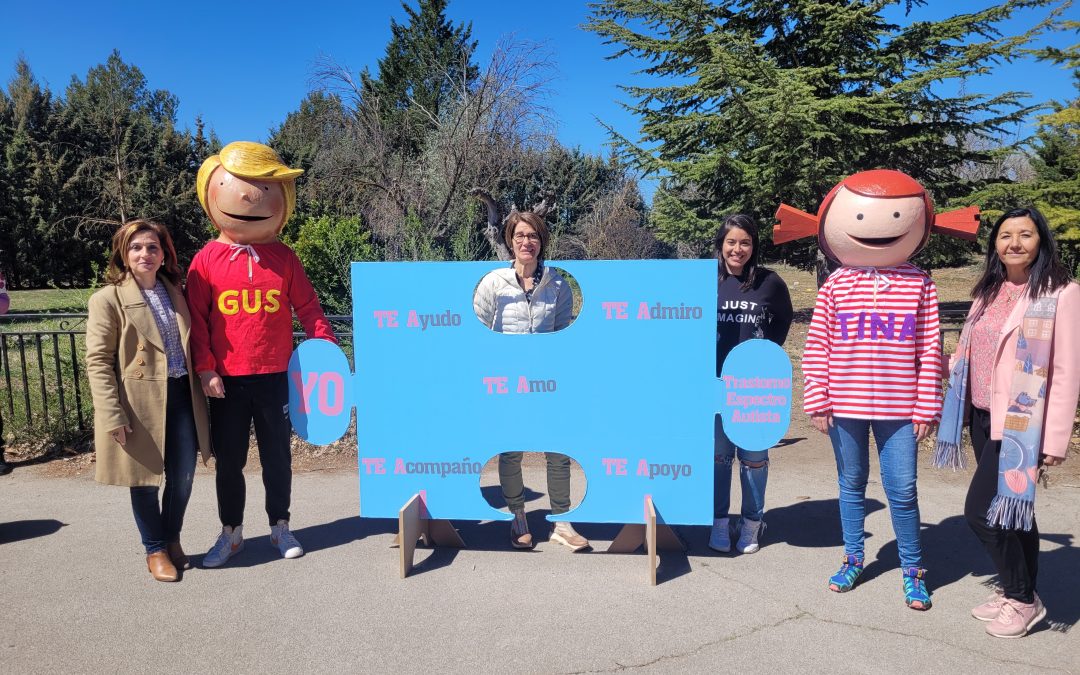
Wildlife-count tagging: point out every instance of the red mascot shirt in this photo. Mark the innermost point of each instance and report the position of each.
(242, 299)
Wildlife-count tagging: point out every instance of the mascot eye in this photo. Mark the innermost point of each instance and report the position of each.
(267, 189)
(858, 217)
(896, 214)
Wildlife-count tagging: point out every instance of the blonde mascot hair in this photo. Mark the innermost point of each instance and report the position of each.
(253, 161)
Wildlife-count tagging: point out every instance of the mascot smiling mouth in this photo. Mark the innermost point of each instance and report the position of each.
(875, 241)
(250, 219)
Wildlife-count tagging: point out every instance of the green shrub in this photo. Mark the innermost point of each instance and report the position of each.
(326, 246)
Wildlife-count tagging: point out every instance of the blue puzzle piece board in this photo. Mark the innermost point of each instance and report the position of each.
(629, 389)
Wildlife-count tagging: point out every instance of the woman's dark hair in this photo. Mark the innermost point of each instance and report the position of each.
(1047, 272)
(117, 269)
(745, 223)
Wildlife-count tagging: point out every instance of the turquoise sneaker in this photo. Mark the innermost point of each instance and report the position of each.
(844, 580)
(916, 594)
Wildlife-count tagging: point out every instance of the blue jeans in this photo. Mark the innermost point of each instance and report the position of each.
(159, 525)
(752, 478)
(897, 454)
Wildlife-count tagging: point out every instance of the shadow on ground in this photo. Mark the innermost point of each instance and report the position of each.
(21, 530)
(258, 550)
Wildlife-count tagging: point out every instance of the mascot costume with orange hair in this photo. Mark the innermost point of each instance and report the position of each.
(242, 289)
(873, 357)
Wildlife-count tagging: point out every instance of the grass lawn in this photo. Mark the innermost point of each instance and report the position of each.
(49, 300)
(40, 358)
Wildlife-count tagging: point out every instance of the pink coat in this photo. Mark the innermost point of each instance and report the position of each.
(1063, 381)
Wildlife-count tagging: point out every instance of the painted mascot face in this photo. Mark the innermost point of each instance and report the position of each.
(246, 210)
(875, 218)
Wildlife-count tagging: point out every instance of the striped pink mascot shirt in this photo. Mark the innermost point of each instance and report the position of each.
(873, 350)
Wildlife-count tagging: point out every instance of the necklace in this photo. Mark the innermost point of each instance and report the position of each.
(1012, 294)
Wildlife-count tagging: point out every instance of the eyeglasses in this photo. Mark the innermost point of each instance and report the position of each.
(520, 237)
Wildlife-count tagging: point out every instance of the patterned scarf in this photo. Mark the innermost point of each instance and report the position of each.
(1013, 507)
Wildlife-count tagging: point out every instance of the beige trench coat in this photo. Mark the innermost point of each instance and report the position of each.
(128, 372)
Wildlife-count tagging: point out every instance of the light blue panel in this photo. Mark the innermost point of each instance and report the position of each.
(756, 394)
(631, 399)
(320, 391)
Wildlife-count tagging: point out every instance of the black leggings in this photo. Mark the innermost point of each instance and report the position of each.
(264, 399)
(1015, 553)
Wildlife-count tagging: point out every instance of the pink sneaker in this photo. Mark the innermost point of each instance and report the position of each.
(1016, 618)
(989, 610)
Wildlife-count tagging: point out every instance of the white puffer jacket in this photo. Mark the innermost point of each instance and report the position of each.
(500, 303)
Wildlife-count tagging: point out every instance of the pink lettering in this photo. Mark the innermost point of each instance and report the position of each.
(339, 399)
(387, 318)
(305, 389)
(618, 308)
(496, 385)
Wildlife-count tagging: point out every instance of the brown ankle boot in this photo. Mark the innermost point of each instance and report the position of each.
(178, 557)
(161, 568)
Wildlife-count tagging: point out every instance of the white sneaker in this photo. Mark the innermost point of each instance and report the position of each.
(229, 543)
(748, 535)
(720, 537)
(565, 534)
(281, 537)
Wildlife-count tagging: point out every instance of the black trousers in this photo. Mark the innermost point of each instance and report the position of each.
(263, 399)
(1015, 553)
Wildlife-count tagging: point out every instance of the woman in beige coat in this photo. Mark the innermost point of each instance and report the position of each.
(149, 415)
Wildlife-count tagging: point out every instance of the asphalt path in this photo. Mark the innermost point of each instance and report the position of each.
(76, 595)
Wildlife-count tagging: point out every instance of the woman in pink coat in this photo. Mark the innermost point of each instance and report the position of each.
(1016, 378)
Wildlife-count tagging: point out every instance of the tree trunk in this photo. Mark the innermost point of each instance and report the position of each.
(493, 229)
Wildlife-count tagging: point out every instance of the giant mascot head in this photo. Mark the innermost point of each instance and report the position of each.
(248, 192)
(878, 218)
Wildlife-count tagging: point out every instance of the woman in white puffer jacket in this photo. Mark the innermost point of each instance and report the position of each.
(529, 297)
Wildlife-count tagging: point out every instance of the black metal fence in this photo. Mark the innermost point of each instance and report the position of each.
(45, 391)
(41, 367)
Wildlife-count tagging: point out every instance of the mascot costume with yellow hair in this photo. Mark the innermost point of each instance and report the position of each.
(243, 288)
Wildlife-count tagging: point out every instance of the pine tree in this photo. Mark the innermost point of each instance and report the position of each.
(428, 64)
(130, 160)
(1055, 189)
(428, 61)
(29, 184)
(318, 124)
(766, 101)
(1057, 176)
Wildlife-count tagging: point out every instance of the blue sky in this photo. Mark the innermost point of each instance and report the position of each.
(245, 66)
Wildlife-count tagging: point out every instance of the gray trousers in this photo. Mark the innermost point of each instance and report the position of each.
(558, 481)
